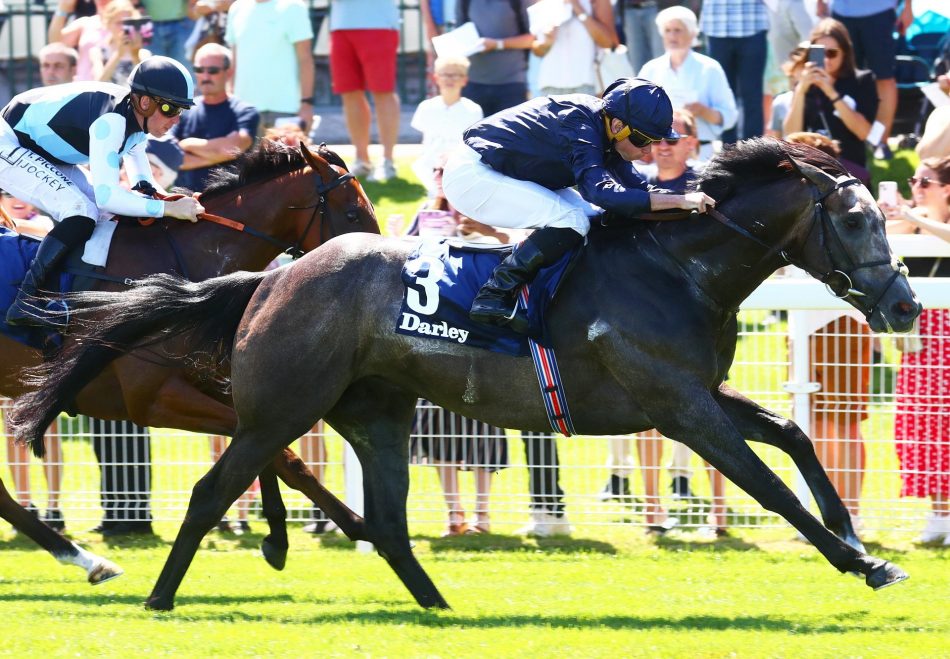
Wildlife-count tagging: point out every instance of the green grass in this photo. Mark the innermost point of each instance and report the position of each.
(604, 595)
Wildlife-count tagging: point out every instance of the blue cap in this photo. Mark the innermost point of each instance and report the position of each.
(640, 104)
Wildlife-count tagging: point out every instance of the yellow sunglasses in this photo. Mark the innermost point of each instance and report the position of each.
(637, 137)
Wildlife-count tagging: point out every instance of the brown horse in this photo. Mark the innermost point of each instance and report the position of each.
(280, 200)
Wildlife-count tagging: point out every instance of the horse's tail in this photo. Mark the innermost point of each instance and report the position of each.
(111, 324)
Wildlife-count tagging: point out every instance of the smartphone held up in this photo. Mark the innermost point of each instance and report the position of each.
(138, 27)
(816, 55)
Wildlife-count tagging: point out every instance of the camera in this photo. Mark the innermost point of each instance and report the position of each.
(138, 26)
(816, 55)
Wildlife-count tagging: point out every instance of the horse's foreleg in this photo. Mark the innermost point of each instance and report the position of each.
(295, 473)
(245, 458)
(704, 426)
(98, 569)
(756, 423)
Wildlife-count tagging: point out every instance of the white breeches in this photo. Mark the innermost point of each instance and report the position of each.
(476, 190)
(61, 191)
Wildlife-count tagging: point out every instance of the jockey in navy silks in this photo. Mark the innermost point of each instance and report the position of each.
(518, 169)
(48, 132)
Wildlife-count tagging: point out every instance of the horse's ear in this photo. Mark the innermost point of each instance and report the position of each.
(816, 175)
(315, 162)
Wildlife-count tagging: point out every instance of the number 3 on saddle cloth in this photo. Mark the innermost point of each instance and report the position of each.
(442, 277)
(16, 254)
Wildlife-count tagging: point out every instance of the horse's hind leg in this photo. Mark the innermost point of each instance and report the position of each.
(246, 457)
(98, 569)
(295, 473)
(756, 423)
(375, 419)
(275, 545)
(700, 423)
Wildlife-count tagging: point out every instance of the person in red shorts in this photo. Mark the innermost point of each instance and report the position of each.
(364, 38)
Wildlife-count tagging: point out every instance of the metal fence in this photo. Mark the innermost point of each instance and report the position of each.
(23, 27)
(851, 421)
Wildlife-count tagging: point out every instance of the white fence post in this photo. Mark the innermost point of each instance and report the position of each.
(353, 488)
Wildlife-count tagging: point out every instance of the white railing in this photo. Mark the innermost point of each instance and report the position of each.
(761, 371)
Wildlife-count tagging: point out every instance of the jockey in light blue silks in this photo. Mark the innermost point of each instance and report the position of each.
(48, 132)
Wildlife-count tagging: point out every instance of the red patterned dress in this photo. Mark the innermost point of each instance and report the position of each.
(922, 425)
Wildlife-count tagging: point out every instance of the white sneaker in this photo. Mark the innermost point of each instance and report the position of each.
(361, 168)
(937, 528)
(545, 525)
(383, 172)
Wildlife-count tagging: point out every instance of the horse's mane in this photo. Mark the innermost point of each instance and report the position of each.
(266, 160)
(756, 161)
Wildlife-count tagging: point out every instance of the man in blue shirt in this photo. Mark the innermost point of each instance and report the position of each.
(219, 127)
(518, 167)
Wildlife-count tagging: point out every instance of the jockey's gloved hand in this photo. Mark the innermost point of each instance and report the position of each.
(145, 188)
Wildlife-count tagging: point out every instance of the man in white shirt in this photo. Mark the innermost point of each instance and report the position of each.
(693, 81)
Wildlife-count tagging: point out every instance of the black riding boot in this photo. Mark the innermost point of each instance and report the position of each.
(495, 303)
(25, 310)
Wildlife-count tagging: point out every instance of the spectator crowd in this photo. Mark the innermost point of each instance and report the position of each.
(826, 73)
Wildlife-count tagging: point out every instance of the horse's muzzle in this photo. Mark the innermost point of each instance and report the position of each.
(896, 316)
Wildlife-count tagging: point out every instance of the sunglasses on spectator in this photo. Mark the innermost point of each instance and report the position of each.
(168, 109)
(437, 171)
(213, 70)
(832, 53)
(923, 180)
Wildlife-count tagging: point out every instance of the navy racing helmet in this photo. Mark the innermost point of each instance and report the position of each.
(643, 107)
(164, 78)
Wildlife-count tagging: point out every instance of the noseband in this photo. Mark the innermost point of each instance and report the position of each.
(295, 250)
(840, 277)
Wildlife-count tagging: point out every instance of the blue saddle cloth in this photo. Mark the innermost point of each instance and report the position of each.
(442, 278)
(16, 254)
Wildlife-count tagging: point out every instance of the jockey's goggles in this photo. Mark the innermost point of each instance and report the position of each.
(168, 109)
(637, 137)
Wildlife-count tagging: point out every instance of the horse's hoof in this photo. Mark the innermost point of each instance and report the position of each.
(103, 571)
(884, 575)
(159, 604)
(433, 601)
(275, 556)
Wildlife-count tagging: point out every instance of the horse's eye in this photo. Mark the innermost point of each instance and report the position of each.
(352, 215)
(852, 221)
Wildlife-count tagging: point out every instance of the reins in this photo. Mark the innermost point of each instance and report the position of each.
(839, 278)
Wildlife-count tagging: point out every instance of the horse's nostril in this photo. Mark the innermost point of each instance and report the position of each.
(905, 309)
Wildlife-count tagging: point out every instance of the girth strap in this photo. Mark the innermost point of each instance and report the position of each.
(549, 379)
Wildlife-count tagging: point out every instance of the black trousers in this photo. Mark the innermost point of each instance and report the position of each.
(540, 451)
(123, 450)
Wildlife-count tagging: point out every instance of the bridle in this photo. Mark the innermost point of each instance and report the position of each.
(321, 208)
(839, 278)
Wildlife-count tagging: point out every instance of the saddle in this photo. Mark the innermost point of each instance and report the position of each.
(75, 275)
(441, 278)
